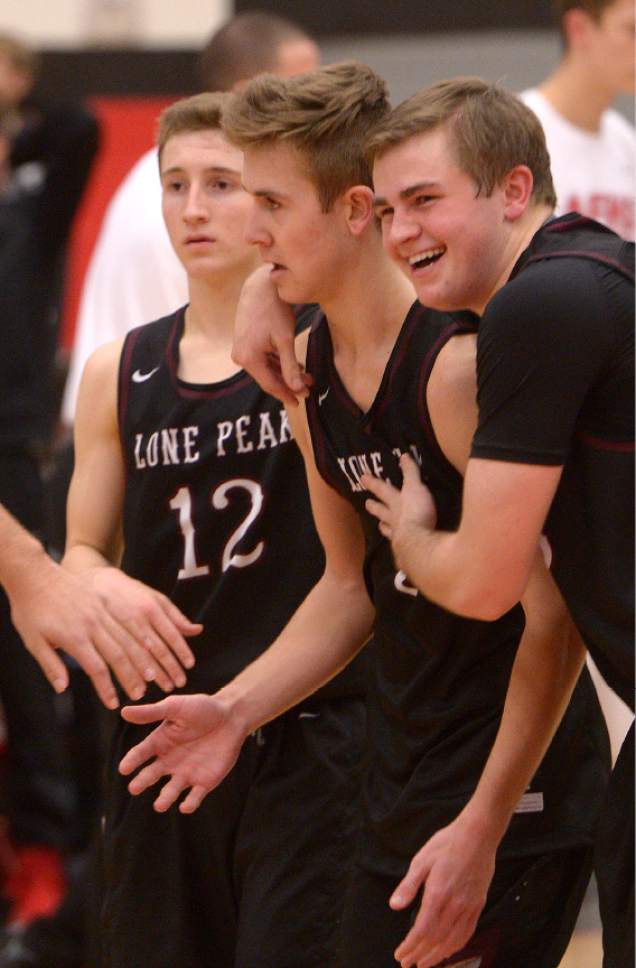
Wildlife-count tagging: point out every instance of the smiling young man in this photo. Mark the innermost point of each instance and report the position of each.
(390, 376)
(469, 223)
(181, 451)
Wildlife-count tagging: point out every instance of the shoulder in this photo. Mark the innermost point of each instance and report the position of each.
(549, 285)
(454, 370)
(102, 365)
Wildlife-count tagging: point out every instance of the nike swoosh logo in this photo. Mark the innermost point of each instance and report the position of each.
(322, 396)
(140, 377)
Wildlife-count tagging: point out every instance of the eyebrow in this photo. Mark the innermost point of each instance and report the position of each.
(406, 192)
(266, 193)
(216, 169)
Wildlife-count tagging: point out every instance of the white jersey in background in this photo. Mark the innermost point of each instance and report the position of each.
(594, 173)
(133, 276)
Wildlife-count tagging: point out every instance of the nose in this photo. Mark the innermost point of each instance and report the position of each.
(195, 209)
(403, 228)
(255, 231)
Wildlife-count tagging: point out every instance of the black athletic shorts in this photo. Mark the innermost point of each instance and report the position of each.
(528, 920)
(614, 862)
(256, 877)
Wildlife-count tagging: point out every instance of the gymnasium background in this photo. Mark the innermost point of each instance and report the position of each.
(129, 58)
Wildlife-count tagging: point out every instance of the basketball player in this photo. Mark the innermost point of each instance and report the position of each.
(392, 377)
(555, 442)
(197, 465)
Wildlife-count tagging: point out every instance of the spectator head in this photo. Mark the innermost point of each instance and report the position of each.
(599, 34)
(255, 42)
(18, 70)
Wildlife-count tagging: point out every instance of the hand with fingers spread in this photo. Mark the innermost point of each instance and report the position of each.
(264, 340)
(401, 513)
(455, 869)
(150, 629)
(196, 744)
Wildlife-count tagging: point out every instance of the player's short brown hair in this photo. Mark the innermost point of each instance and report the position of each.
(326, 115)
(245, 46)
(201, 112)
(490, 132)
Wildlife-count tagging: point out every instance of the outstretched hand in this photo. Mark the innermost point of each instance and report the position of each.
(455, 869)
(264, 340)
(196, 744)
(400, 512)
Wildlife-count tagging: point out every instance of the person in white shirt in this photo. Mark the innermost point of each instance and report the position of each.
(591, 145)
(134, 276)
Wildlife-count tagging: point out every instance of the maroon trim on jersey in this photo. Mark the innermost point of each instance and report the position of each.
(212, 391)
(598, 443)
(424, 417)
(125, 377)
(582, 254)
(409, 325)
(316, 433)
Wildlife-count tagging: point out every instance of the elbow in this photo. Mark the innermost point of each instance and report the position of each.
(486, 602)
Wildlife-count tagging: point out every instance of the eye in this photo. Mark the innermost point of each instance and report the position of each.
(174, 185)
(384, 213)
(221, 185)
(420, 200)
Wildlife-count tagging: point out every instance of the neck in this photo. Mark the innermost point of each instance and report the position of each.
(518, 241)
(212, 308)
(579, 97)
(370, 304)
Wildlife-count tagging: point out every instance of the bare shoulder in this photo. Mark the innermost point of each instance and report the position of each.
(455, 369)
(451, 397)
(98, 389)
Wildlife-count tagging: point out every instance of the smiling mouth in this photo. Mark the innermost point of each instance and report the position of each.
(423, 259)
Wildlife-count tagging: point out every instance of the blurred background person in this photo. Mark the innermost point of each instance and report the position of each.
(46, 152)
(591, 145)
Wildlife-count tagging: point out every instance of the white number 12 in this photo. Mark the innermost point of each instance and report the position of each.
(182, 502)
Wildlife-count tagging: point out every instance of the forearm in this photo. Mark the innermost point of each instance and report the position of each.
(325, 633)
(22, 555)
(544, 675)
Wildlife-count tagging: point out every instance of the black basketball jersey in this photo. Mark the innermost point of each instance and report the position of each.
(437, 680)
(591, 523)
(216, 511)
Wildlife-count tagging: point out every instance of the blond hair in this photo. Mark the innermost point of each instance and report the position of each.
(490, 132)
(325, 115)
(202, 112)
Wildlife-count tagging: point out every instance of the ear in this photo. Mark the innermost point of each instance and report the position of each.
(576, 24)
(517, 192)
(358, 208)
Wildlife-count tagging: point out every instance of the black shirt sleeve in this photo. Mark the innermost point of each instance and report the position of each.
(546, 339)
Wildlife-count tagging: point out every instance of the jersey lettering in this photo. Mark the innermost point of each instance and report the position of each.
(244, 435)
(220, 501)
(182, 502)
(172, 445)
(401, 582)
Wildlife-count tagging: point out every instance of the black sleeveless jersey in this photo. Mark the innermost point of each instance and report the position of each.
(576, 410)
(216, 511)
(437, 681)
